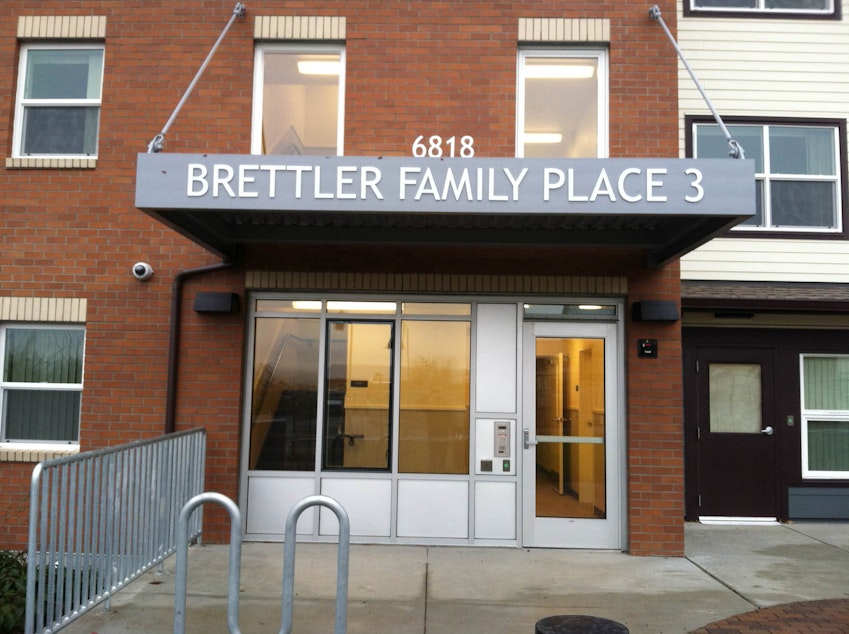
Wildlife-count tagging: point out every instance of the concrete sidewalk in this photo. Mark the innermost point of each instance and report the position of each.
(397, 589)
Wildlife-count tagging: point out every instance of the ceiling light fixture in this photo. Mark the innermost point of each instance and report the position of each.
(542, 137)
(559, 71)
(319, 67)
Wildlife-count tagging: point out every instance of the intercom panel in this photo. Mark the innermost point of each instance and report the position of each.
(495, 446)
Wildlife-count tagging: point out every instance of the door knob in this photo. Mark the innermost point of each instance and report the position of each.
(526, 438)
(768, 430)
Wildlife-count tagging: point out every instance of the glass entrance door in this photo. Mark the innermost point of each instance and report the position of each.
(571, 481)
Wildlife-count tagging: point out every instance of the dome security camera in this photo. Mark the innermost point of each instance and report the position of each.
(142, 271)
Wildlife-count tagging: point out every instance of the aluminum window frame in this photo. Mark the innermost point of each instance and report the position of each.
(841, 198)
(350, 307)
(323, 48)
(602, 57)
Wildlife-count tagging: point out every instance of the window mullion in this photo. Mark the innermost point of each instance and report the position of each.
(767, 194)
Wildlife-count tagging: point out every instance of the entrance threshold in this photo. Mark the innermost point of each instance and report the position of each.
(718, 520)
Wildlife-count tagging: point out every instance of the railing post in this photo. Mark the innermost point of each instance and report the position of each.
(181, 576)
(341, 561)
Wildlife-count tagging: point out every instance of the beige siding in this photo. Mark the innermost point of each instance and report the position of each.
(769, 260)
(769, 68)
(766, 67)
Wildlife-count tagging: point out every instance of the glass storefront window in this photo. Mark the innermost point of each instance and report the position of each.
(364, 346)
(422, 308)
(287, 306)
(358, 395)
(434, 392)
(566, 311)
(285, 394)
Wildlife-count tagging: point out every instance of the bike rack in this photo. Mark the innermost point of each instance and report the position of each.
(181, 574)
(342, 557)
(341, 561)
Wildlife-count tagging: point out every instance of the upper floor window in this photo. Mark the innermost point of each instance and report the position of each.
(805, 7)
(298, 100)
(41, 383)
(562, 104)
(797, 170)
(58, 100)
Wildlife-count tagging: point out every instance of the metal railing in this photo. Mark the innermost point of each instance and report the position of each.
(100, 519)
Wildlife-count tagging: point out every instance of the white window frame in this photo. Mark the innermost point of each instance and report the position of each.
(761, 8)
(817, 415)
(14, 385)
(599, 54)
(21, 104)
(766, 177)
(259, 77)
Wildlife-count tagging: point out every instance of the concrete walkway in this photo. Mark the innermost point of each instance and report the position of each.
(728, 570)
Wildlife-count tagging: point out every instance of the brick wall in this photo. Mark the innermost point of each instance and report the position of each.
(413, 68)
(655, 423)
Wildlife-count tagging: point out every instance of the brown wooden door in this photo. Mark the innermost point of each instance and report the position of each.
(737, 433)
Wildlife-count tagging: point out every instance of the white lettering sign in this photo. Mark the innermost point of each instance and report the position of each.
(436, 147)
(393, 184)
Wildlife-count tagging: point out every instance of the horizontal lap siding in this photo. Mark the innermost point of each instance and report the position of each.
(769, 260)
(766, 68)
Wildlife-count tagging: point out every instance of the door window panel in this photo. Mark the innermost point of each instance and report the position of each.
(562, 109)
(735, 398)
(825, 416)
(570, 428)
(285, 394)
(358, 404)
(298, 99)
(434, 397)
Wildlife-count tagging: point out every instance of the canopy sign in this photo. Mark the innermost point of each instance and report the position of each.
(465, 186)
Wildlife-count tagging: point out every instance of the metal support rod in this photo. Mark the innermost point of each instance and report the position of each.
(736, 150)
(158, 142)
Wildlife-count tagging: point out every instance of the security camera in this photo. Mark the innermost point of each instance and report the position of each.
(142, 271)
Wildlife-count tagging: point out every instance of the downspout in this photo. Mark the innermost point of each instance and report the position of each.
(174, 336)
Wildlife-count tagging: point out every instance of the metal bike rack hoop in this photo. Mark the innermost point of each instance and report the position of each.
(341, 561)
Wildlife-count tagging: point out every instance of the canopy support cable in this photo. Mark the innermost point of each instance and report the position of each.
(736, 150)
(158, 142)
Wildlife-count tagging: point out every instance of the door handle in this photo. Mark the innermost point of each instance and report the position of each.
(526, 438)
(768, 430)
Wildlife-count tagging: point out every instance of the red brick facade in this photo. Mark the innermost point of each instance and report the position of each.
(412, 68)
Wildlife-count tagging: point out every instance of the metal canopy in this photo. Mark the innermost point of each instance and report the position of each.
(662, 238)
(228, 202)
